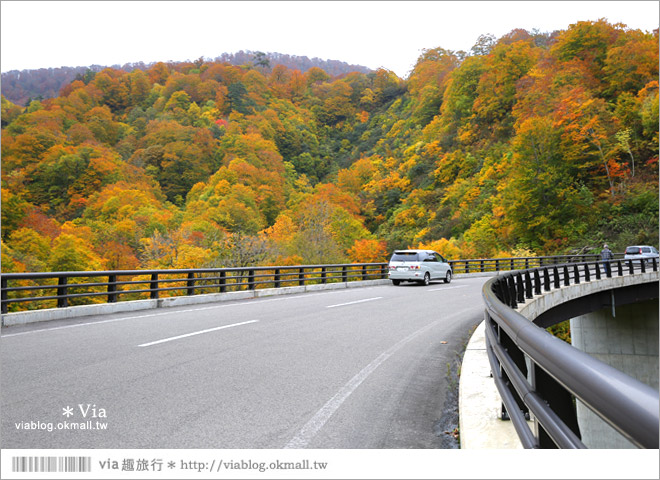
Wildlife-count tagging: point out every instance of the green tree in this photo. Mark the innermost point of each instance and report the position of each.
(237, 98)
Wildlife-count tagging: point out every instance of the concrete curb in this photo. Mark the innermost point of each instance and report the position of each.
(479, 403)
(20, 318)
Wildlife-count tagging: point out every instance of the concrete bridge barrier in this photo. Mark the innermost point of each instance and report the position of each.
(540, 378)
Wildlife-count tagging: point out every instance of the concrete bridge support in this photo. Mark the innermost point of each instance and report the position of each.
(625, 337)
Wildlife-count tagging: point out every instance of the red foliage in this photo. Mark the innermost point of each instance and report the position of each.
(41, 223)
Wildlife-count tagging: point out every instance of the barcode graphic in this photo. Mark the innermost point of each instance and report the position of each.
(51, 464)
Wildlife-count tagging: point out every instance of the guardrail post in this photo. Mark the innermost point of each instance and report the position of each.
(112, 288)
(631, 267)
(526, 263)
(537, 282)
(558, 399)
(642, 264)
(3, 286)
(555, 272)
(497, 264)
(512, 292)
(587, 273)
(324, 278)
(567, 277)
(62, 291)
(276, 278)
(608, 269)
(576, 274)
(190, 284)
(655, 264)
(502, 291)
(467, 266)
(620, 268)
(344, 276)
(506, 285)
(518, 359)
(597, 271)
(223, 281)
(528, 285)
(546, 280)
(301, 276)
(153, 286)
(521, 288)
(364, 272)
(251, 285)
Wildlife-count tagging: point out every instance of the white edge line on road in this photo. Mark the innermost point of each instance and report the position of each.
(353, 303)
(445, 288)
(316, 423)
(178, 337)
(100, 322)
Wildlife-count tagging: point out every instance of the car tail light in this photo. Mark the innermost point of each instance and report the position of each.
(414, 267)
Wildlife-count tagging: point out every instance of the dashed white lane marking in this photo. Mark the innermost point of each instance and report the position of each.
(175, 312)
(178, 337)
(353, 303)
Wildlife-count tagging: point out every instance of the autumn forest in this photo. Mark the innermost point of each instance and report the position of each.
(528, 144)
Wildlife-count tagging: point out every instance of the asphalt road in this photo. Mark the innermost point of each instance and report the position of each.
(354, 368)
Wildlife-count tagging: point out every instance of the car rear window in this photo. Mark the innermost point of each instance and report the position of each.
(404, 257)
(633, 250)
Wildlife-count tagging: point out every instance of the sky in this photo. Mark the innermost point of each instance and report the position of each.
(375, 34)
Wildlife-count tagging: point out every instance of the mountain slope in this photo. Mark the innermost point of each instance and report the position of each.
(534, 144)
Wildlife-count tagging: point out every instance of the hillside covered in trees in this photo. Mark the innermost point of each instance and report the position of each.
(528, 144)
(21, 87)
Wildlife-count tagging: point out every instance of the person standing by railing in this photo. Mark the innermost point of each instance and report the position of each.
(606, 255)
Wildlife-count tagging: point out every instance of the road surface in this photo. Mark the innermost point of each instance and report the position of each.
(353, 368)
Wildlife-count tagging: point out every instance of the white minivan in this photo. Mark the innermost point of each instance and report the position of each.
(419, 266)
(641, 252)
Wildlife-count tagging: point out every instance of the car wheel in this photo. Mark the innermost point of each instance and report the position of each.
(427, 279)
(448, 277)
(396, 282)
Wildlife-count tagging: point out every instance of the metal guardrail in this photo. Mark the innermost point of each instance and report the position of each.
(134, 284)
(539, 375)
(518, 263)
(67, 288)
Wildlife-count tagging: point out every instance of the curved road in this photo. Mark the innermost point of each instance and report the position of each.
(353, 368)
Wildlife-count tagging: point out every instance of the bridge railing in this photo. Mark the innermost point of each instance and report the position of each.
(61, 289)
(539, 376)
(482, 265)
